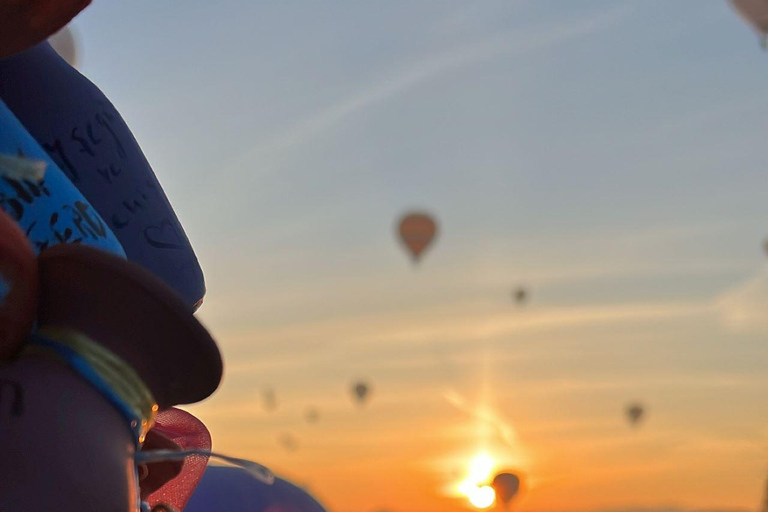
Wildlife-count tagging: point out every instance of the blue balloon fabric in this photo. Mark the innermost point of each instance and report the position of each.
(50, 211)
(225, 488)
(83, 132)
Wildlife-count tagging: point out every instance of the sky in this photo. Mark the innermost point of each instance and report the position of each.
(606, 154)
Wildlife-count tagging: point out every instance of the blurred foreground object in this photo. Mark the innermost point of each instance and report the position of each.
(113, 345)
(417, 231)
(226, 489)
(754, 12)
(635, 413)
(506, 486)
(39, 197)
(24, 24)
(65, 43)
(177, 430)
(18, 286)
(84, 134)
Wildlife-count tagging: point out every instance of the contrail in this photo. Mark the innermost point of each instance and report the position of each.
(505, 44)
(484, 414)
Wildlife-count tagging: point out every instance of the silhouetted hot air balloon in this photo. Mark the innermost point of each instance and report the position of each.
(270, 400)
(65, 44)
(754, 12)
(635, 413)
(361, 390)
(506, 486)
(765, 246)
(311, 415)
(288, 442)
(521, 295)
(417, 231)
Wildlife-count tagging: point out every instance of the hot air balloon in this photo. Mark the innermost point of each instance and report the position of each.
(312, 415)
(506, 486)
(270, 400)
(754, 12)
(520, 295)
(65, 44)
(360, 391)
(635, 413)
(288, 442)
(417, 231)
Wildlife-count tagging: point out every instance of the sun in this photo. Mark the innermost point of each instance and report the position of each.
(474, 486)
(482, 497)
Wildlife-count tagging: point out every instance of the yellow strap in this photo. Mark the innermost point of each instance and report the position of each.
(118, 374)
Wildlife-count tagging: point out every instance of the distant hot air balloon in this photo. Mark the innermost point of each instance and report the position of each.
(288, 442)
(312, 415)
(754, 12)
(270, 400)
(65, 44)
(417, 231)
(520, 295)
(361, 390)
(506, 486)
(765, 246)
(635, 413)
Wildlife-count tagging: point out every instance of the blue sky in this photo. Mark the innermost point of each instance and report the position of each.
(608, 154)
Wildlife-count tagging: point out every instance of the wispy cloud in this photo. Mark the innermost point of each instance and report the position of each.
(743, 307)
(483, 414)
(268, 153)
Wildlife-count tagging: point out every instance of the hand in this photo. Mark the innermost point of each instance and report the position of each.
(24, 23)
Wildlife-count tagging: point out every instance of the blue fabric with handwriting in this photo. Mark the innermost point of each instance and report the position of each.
(52, 211)
(83, 132)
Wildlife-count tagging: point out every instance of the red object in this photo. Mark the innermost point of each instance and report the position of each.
(24, 24)
(186, 432)
(18, 286)
(417, 231)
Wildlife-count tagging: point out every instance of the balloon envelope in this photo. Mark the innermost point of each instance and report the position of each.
(66, 45)
(417, 231)
(521, 295)
(86, 136)
(227, 489)
(635, 413)
(360, 391)
(506, 486)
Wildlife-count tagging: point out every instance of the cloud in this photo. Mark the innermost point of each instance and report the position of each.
(743, 307)
(268, 153)
(483, 414)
